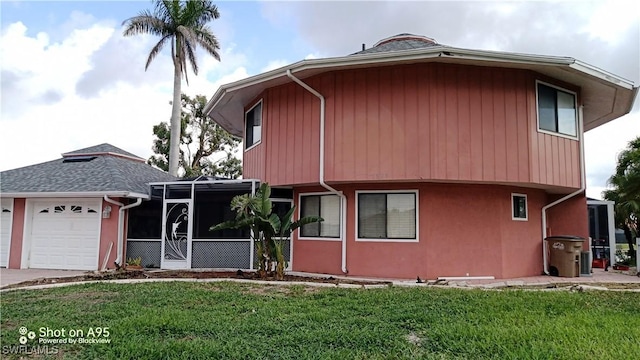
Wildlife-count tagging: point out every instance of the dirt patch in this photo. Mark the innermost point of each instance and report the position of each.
(186, 274)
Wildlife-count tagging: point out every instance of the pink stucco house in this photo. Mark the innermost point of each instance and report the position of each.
(424, 159)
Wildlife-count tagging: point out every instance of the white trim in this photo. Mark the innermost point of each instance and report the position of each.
(417, 219)
(177, 264)
(86, 194)
(244, 138)
(147, 240)
(222, 240)
(526, 207)
(318, 238)
(575, 106)
(11, 207)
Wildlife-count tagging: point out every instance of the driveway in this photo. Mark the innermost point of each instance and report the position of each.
(13, 276)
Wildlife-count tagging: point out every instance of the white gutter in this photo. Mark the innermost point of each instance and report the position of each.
(583, 185)
(343, 198)
(122, 207)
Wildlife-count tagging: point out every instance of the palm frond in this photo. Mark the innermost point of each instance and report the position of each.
(305, 220)
(156, 49)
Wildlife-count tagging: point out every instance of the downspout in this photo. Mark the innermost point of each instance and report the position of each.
(343, 198)
(121, 210)
(583, 186)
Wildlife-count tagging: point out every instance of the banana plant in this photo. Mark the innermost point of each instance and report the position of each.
(255, 212)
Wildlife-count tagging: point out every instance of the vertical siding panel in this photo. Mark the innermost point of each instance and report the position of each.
(360, 124)
(339, 143)
(441, 124)
(562, 153)
(488, 136)
(511, 128)
(326, 88)
(299, 161)
(399, 124)
(279, 167)
(381, 152)
(548, 156)
(308, 131)
(536, 144)
(424, 122)
(412, 148)
(314, 103)
(375, 148)
(555, 157)
(475, 110)
(434, 135)
(285, 167)
(524, 163)
(464, 124)
(351, 142)
(451, 123)
(499, 126)
(575, 161)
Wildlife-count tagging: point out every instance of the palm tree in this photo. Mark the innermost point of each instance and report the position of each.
(626, 192)
(184, 24)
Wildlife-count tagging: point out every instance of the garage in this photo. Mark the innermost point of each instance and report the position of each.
(65, 234)
(5, 230)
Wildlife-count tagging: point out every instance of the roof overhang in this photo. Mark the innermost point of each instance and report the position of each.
(79, 194)
(605, 96)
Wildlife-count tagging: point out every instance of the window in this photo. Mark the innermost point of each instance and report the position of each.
(556, 110)
(253, 126)
(325, 206)
(386, 216)
(518, 207)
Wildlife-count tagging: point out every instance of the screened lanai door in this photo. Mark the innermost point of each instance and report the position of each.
(177, 234)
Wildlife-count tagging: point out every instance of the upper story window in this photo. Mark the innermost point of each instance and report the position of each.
(387, 216)
(253, 126)
(519, 207)
(328, 208)
(557, 110)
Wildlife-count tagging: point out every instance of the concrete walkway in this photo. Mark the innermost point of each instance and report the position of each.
(599, 276)
(14, 276)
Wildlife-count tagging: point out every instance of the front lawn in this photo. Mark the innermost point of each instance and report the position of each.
(177, 320)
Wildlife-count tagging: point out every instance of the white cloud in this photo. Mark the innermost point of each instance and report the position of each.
(90, 87)
(274, 64)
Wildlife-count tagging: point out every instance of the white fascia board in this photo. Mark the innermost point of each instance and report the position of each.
(602, 74)
(86, 194)
(231, 181)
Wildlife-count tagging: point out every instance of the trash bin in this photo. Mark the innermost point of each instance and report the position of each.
(564, 255)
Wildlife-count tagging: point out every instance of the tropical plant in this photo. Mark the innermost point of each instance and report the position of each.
(184, 25)
(269, 232)
(200, 139)
(626, 192)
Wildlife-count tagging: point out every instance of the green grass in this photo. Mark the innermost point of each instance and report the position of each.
(180, 320)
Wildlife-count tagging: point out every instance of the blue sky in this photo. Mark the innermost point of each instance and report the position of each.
(70, 80)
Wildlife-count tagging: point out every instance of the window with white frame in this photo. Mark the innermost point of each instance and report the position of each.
(387, 215)
(253, 126)
(327, 207)
(518, 206)
(557, 110)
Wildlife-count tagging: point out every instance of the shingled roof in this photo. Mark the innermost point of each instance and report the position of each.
(400, 42)
(102, 168)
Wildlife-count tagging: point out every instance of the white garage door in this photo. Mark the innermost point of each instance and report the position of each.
(5, 230)
(65, 234)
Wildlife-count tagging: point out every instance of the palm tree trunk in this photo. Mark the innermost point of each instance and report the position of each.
(174, 146)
